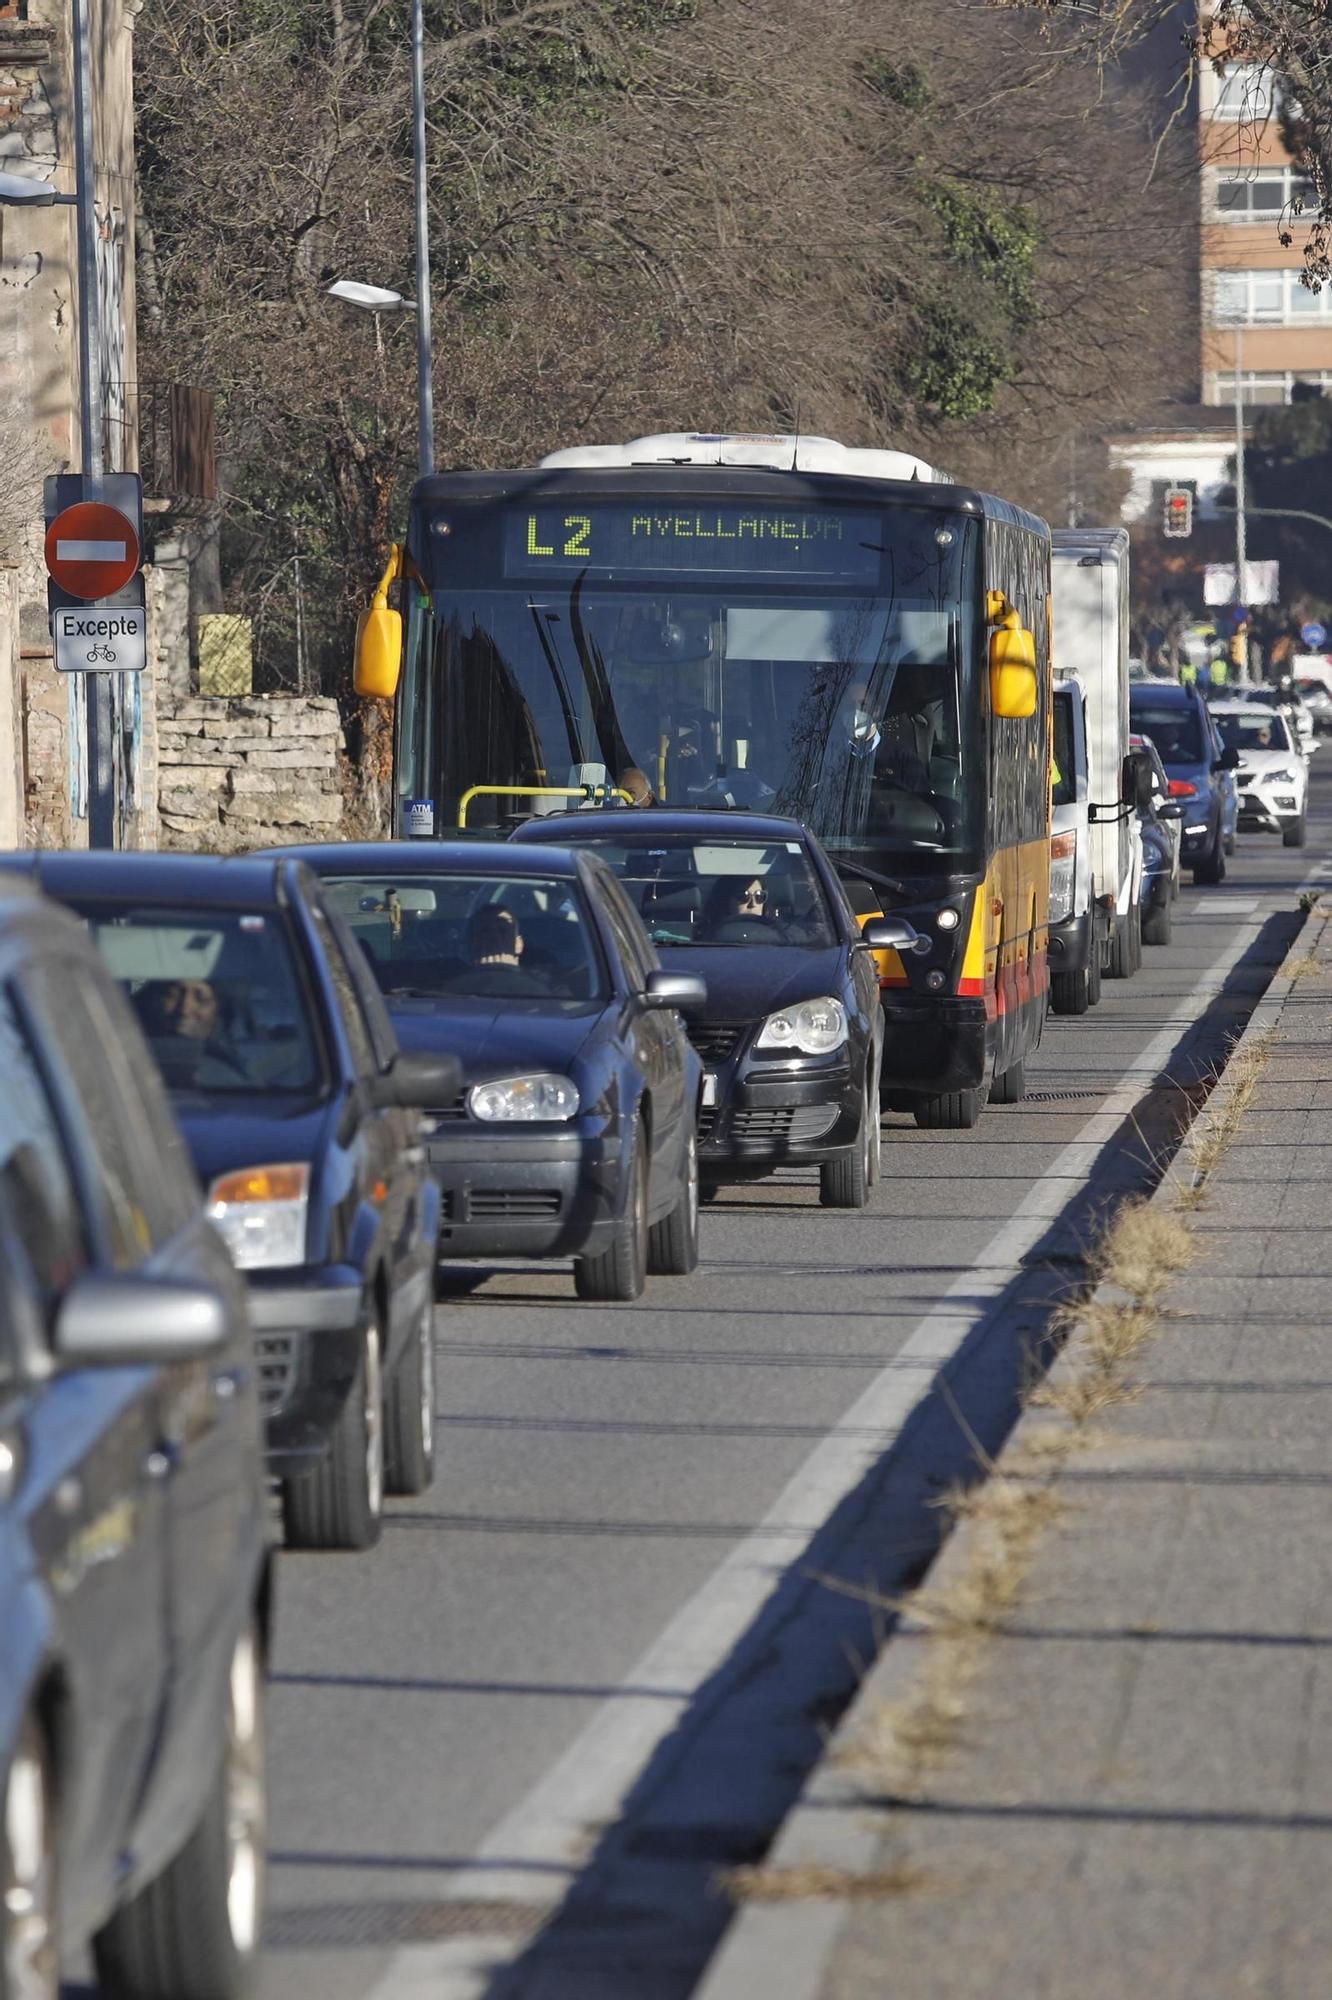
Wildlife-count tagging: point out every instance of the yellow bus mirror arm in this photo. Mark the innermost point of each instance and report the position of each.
(379, 638)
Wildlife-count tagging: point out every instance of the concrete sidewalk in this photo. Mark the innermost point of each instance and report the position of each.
(1118, 1782)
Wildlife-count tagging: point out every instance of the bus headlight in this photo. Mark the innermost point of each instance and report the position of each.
(521, 1100)
(811, 1028)
(1063, 865)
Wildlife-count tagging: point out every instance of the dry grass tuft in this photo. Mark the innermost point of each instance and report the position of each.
(1144, 1248)
(812, 1883)
(1214, 1133)
(1306, 968)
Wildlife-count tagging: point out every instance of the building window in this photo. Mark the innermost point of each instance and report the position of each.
(1269, 386)
(1260, 194)
(1243, 92)
(1266, 298)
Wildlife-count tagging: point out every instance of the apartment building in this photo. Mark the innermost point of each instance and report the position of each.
(1257, 322)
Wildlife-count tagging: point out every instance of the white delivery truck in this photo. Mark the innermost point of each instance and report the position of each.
(1090, 588)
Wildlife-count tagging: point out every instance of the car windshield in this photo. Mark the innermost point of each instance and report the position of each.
(1175, 731)
(721, 892)
(489, 936)
(218, 996)
(1264, 729)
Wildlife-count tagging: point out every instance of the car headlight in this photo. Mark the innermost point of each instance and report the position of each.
(524, 1100)
(261, 1214)
(1063, 863)
(1280, 778)
(811, 1028)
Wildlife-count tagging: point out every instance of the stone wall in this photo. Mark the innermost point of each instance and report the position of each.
(252, 772)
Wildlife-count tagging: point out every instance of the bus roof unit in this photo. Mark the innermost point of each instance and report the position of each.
(772, 452)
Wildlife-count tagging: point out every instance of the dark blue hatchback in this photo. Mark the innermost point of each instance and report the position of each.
(1199, 768)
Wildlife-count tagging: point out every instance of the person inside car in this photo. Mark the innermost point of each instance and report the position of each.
(182, 1018)
(494, 956)
(736, 904)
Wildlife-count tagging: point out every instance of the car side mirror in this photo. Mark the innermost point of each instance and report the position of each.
(1169, 809)
(892, 934)
(1013, 685)
(1230, 759)
(118, 1319)
(416, 1082)
(675, 989)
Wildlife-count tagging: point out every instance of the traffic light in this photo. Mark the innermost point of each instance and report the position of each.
(1178, 519)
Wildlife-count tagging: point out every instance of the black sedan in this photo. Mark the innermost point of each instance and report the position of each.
(303, 1119)
(135, 1567)
(792, 1033)
(574, 1132)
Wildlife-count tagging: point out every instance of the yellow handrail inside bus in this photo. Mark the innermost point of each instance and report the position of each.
(535, 792)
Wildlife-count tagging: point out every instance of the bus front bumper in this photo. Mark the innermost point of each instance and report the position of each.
(934, 1045)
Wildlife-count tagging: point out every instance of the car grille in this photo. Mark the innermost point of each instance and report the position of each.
(451, 1114)
(784, 1123)
(716, 1040)
(513, 1204)
(276, 1356)
(707, 1123)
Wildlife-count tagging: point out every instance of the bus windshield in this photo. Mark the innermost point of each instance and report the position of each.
(817, 661)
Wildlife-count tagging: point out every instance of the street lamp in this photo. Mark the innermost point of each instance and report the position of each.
(376, 299)
(24, 191)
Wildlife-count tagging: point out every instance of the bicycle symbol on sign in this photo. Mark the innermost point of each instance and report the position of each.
(106, 654)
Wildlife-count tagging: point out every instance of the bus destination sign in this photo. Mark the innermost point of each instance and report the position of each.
(817, 544)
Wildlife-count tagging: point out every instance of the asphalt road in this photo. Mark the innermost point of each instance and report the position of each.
(512, 1748)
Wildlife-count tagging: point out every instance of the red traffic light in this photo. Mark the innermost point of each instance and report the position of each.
(1178, 518)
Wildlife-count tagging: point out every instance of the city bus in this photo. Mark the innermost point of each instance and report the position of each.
(780, 624)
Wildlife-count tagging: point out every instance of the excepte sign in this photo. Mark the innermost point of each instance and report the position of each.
(103, 638)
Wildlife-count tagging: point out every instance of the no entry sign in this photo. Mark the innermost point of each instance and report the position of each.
(92, 550)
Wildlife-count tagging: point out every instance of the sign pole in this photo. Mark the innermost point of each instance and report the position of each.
(97, 707)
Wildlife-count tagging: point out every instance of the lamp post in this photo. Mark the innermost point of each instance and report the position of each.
(376, 299)
(18, 190)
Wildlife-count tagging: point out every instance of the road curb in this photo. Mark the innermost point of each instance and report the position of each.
(783, 1946)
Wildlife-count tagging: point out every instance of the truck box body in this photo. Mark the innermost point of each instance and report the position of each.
(1090, 587)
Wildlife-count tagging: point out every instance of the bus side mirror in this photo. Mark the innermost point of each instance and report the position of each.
(379, 639)
(1013, 686)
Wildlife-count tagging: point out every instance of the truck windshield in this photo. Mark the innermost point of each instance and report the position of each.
(819, 663)
(1065, 786)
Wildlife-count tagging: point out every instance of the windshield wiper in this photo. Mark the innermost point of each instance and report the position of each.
(863, 874)
(413, 993)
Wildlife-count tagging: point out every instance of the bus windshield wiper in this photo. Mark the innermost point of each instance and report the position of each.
(863, 874)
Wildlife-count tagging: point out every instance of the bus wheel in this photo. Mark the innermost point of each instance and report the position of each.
(1010, 1087)
(951, 1111)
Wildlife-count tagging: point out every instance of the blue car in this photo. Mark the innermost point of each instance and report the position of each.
(1199, 768)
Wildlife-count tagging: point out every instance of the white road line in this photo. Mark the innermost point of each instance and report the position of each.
(585, 1789)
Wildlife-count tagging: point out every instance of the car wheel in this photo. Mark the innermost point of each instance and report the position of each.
(1211, 868)
(1070, 992)
(409, 1414)
(845, 1181)
(1293, 832)
(618, 1273)
(340, 1504)
(1157, 924)
(1094, 975)
(1010, 1086)
(193, 1932)
(951, 1110)
(673, 1242)
(1135, 937)
(29, 1925)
